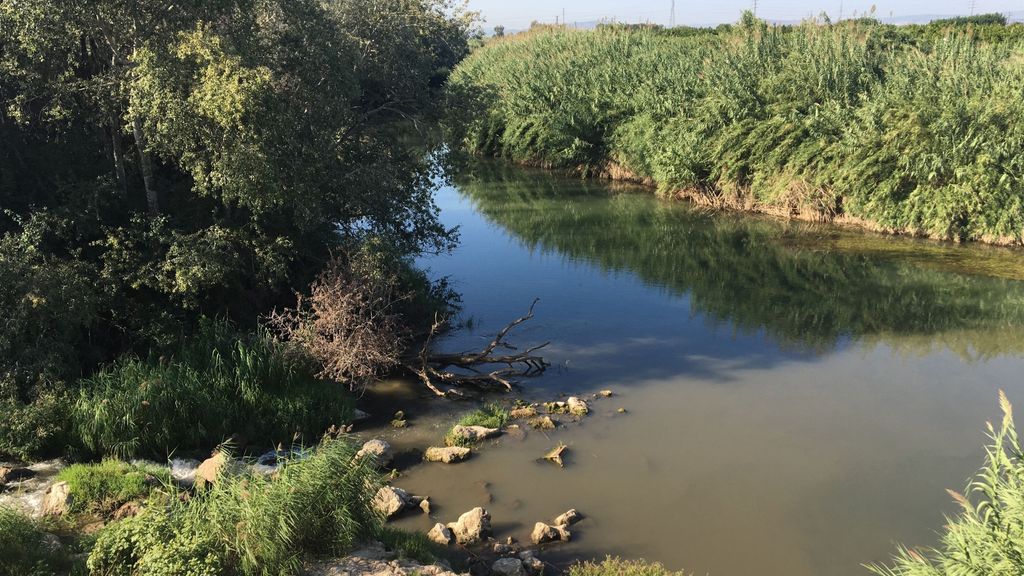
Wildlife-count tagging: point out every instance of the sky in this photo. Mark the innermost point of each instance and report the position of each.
(517, 14)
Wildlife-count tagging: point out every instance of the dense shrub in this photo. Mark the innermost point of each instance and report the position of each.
(987, 536)
(912, 133)
(216, 385)
(252, 525)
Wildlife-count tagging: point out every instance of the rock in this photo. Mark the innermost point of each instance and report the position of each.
(532, 564)
(569, 518)
(472, 527)
(523, 412)
(516, 432)
(578, 406)
(502, 549)
(220, 464)
(555, 455)
(441, 534)
(128, 510)
(14, 474)
(621, 410)
(606, 394)
(475, 433)
(359, 416)
(448, 455)
(542, 534)
(377, 449)
(543, 423)
(425, 505)
(374, 561)
(508, 567)
(57, 500)
(390, 501)
(557, 407)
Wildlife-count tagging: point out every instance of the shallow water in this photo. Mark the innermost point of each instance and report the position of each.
(798, 396)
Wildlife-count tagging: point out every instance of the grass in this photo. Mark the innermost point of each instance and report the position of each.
(987, 536)
(489, 416)
(24, 551)
(412, 545)
(618, 567)
(215, 385)
(908, 131)
(252, 525)
(102, 488)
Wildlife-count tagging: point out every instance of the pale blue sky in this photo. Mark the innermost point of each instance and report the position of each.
(519, 13)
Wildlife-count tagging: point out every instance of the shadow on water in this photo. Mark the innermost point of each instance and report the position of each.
(808, 288)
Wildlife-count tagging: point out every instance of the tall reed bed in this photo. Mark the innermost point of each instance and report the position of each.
(913, 133)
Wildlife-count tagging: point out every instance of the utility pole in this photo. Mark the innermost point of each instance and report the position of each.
(840, 10)
(755, 7)
(973, 3)
(672, 18)
(563, 16)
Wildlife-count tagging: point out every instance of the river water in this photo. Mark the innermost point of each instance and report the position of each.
(798, 397)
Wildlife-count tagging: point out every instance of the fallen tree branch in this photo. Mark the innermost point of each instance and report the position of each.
(434, 369)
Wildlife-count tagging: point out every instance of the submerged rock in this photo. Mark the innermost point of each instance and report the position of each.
(473, 527)
(555, 455)
(532, 564)
(543, 423)
(447, 455)
(606, 394)
(57, 500)
(441, 534)
(578, 406)
(543, 534)
(377, 449)
(13, 474)
(523, 412)
(475, 433)
(569, 518)
(508, 567)
(557, 407)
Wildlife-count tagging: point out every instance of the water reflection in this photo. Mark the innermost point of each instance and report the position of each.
(805, 286)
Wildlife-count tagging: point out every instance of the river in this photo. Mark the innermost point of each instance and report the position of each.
(798, 397)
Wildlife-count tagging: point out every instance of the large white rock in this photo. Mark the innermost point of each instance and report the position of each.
(569, 518)
(390, 501)
(472, 527)
(441, 534)
(377, 449)
(542, 534)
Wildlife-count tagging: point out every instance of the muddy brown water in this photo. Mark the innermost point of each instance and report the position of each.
(798, 397)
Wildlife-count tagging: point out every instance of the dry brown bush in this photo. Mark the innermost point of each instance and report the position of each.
(349, 322)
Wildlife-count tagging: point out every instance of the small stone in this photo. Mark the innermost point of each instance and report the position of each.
(578, 406)
(532, 564)
(447, 455)
(57, 500)
(606, 393)
(390, 501)
(377, 449)
(501, 549)
(523, 412)
(557, 407)
(472, 527)
(425, 505)
(441, 534)
(569, 518)
(621, 410)
(543, 423)
(475, 433)
(508, 567)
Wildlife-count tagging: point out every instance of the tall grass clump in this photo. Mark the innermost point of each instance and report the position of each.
(24, 550)
(252, 524)
(987, 536)
(103, 487)
(489, 416)
(215, 386)
(908, 131)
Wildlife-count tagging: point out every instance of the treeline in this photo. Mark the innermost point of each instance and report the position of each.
(167, 163)
(907, 129)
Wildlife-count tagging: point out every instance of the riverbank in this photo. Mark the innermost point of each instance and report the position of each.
(859, 123)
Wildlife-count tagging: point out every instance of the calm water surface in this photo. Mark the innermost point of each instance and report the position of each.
(798, 397)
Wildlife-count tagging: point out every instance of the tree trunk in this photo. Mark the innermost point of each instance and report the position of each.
(117, 145)
(152, 201)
